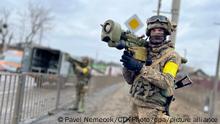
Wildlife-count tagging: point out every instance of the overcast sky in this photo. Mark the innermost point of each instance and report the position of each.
(77, 26)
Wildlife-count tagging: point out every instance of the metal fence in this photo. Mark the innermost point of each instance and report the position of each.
(27, 96)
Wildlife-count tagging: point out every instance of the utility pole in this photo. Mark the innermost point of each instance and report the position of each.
(174, 18)
(158, 7)
(185, 53)
(215, 86)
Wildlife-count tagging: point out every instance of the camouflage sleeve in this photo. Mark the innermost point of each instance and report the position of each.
(157, 77)
(128, 75)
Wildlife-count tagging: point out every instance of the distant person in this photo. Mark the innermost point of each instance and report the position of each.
(83, 75)
(152, 82)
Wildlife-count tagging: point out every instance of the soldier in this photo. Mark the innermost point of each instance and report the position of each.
(152, 82)
(83, 75)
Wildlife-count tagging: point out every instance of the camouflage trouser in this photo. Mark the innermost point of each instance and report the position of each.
(80, 94)
(147, 115)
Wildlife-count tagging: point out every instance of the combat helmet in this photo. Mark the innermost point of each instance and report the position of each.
(85, 61)
(158, 21)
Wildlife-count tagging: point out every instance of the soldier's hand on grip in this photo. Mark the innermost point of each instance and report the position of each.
(130, 63)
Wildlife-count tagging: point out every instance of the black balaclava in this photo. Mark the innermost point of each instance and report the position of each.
(157, 39)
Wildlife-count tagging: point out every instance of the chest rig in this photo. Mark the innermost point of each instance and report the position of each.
(146, 91)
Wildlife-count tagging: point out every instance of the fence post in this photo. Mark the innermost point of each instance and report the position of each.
(19, 99)
(59, 81)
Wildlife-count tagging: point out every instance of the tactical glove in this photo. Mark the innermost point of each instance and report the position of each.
(130, 63)
(121, 45)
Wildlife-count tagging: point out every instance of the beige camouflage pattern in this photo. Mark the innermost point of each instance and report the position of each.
(81, 90)
(81, 86)
(150, 87)
(148, 116)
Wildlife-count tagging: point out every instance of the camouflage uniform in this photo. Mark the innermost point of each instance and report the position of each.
(83, 75)
(151, 87)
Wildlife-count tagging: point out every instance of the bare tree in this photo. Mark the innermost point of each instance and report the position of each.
(35, 21)
(6, 35)
(38, 21)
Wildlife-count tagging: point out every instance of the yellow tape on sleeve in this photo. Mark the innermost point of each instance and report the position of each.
(85, 70)
(170, 68)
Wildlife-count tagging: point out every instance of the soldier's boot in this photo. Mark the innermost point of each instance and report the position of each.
(75, 107)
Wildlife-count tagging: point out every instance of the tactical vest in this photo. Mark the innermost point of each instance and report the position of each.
(146, 91)
(83, 77)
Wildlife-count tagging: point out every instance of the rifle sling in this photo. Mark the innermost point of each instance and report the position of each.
(167, 53)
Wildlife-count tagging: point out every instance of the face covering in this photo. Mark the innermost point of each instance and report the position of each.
(157, 39)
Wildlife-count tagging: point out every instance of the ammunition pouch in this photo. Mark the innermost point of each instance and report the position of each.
(147, 92)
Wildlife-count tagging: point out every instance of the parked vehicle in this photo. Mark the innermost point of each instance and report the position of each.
(10, 60)
(44, 60)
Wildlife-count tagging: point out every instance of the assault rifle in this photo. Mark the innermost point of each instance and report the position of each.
(178, 84)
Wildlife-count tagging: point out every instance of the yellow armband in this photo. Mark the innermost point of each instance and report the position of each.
(85, 70)
(170, 68)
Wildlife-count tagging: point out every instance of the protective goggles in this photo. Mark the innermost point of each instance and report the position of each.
(158, 18)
